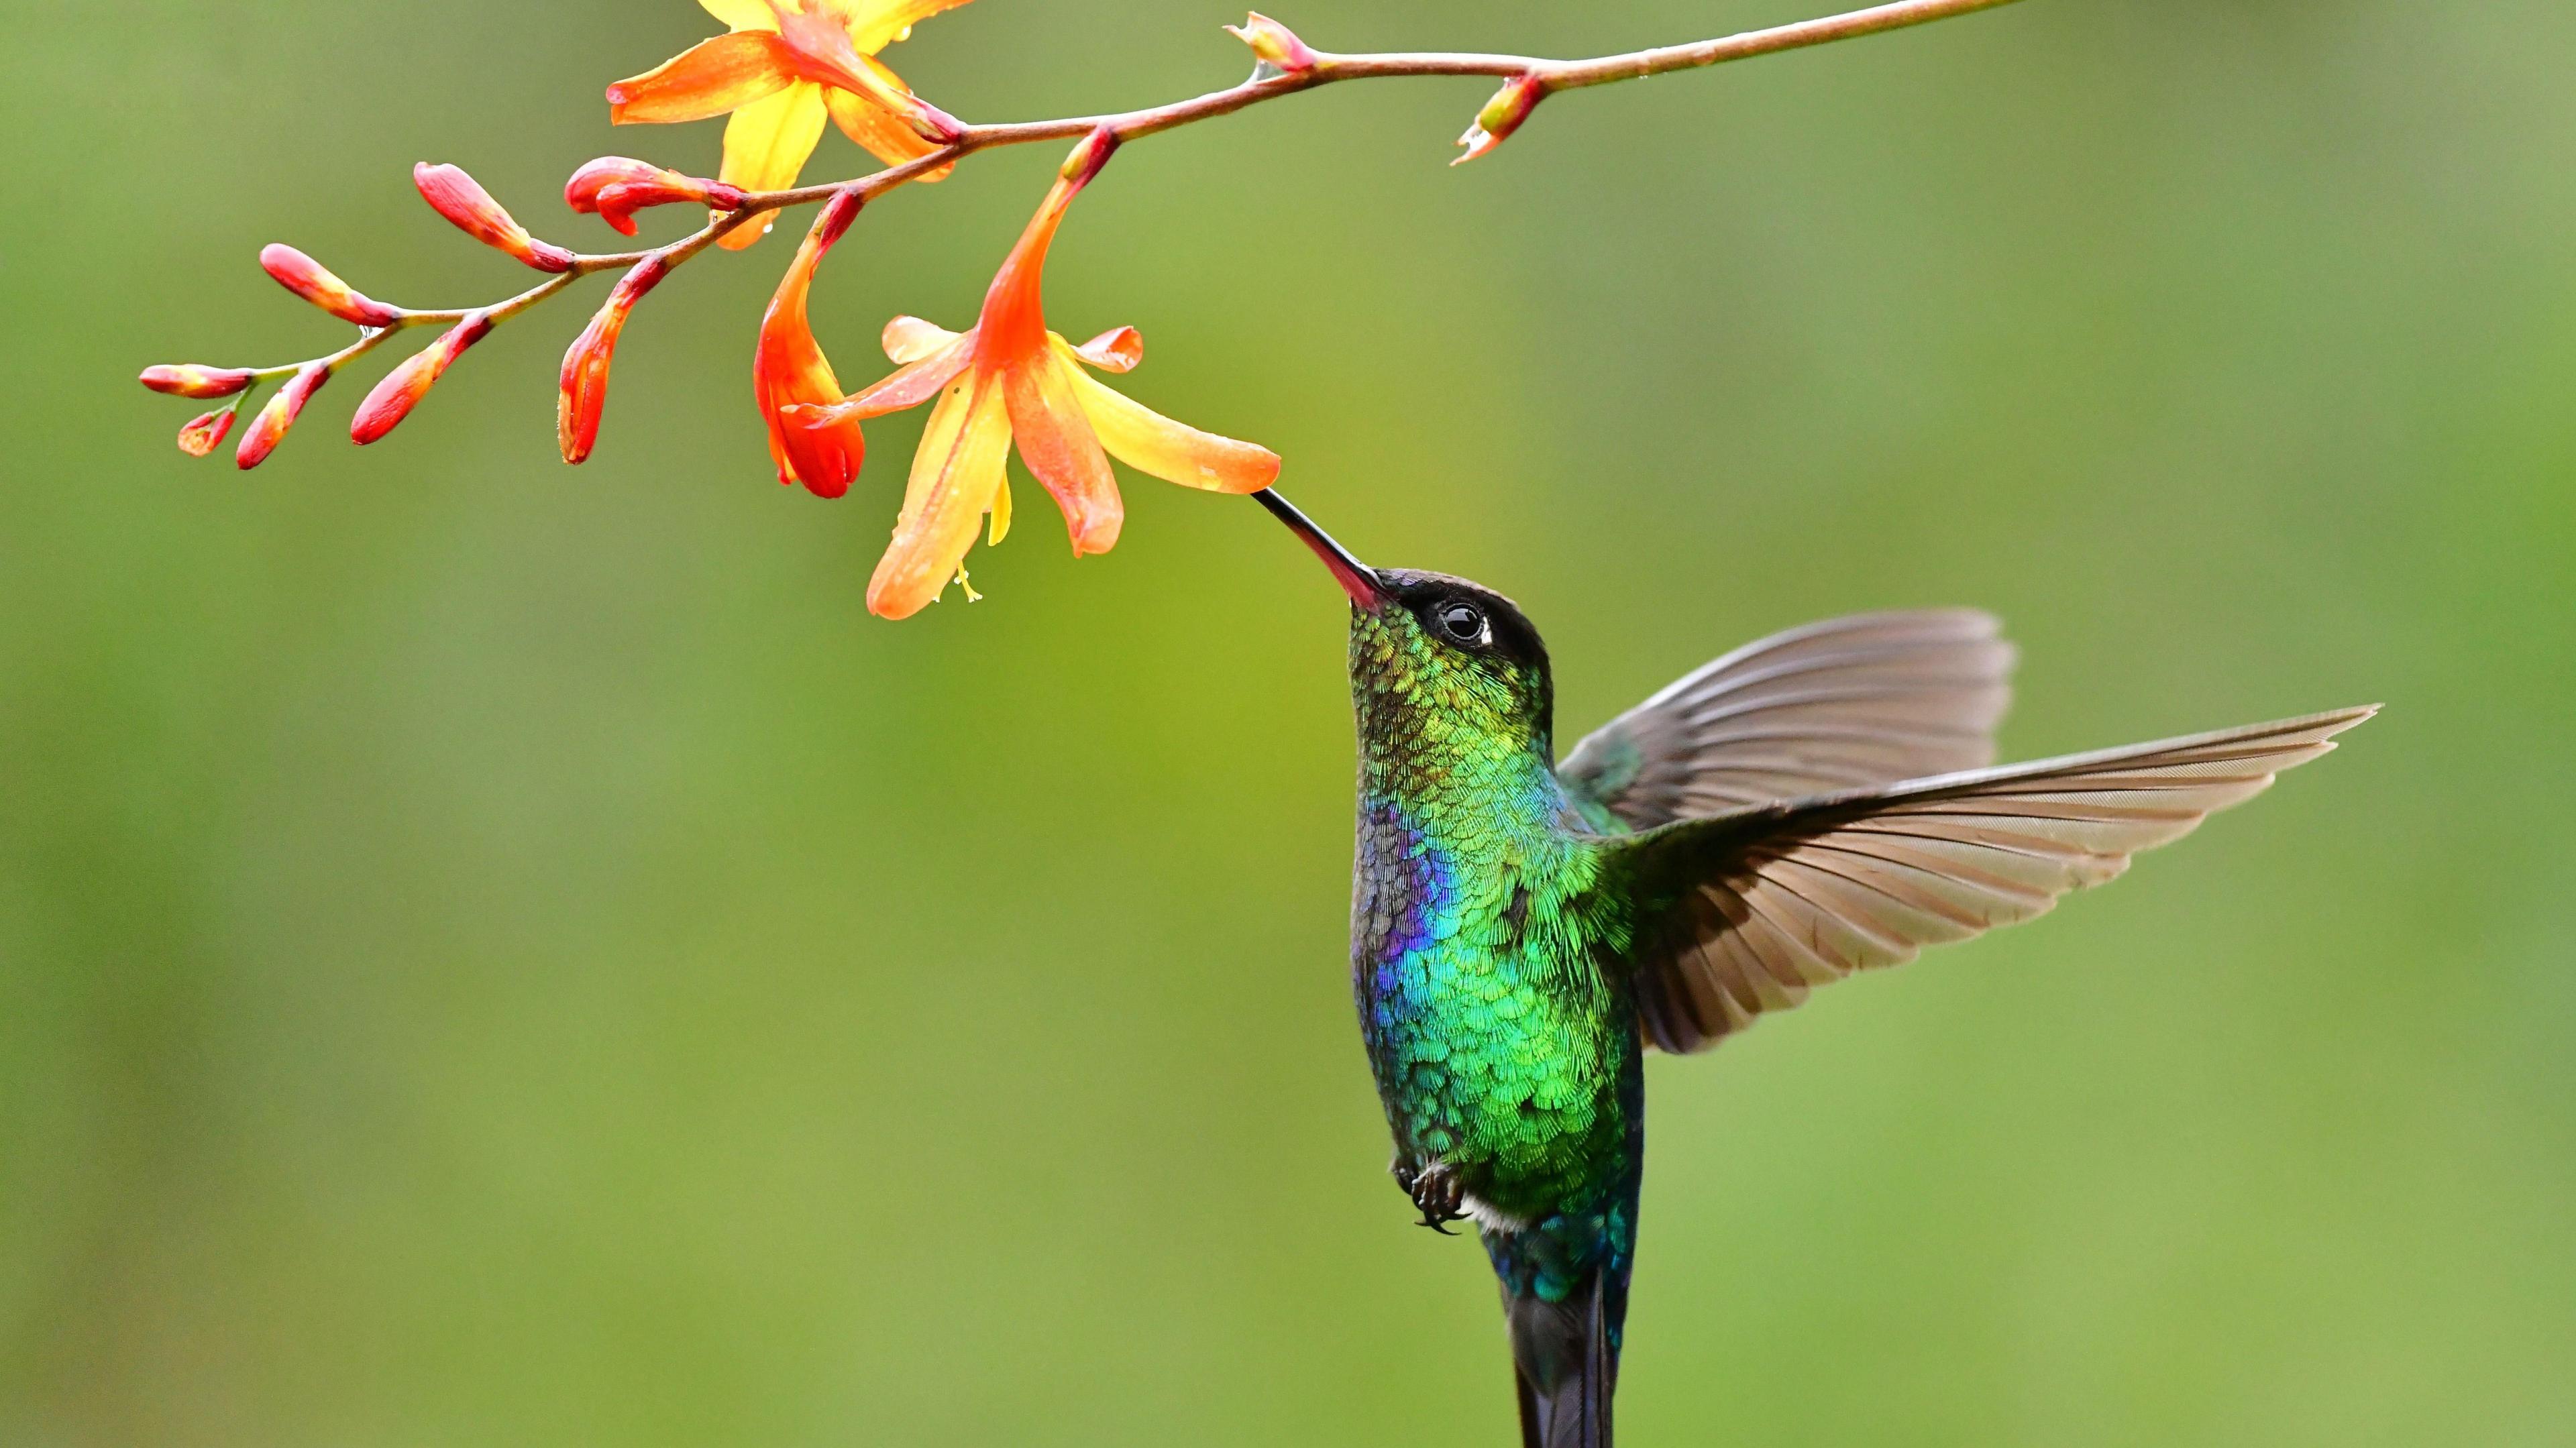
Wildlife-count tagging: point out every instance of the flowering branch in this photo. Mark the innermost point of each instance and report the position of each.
(792, 59)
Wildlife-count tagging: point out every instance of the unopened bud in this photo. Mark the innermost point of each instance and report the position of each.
(837, 216)
(930, 122)
(1501, 116)
(581, 193)
(585, 366)
(1274, 44)
(315, 283)
(462, 200)
(190, 379)
(208, 432)
(618, 204)
(617, 187)
(267, 429)
(404, 387)
(1089, 154)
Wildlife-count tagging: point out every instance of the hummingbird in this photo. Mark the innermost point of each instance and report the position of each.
(1525, 927)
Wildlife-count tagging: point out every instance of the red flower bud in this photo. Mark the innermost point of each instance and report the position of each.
(404, 387)
(1275, 44)
(314, 282)
(1088, 155)
(616, 187)
(462, 200)
(789, 371)
(930, 122)
(581, 193)
(270, 426)
(208, 432)
(585, 367)
(1501, 116)
(190, 379)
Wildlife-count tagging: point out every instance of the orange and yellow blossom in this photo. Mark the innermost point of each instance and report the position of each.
(1011, 380)
(786, 66)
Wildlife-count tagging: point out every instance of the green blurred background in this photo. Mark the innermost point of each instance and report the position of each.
(496, 954)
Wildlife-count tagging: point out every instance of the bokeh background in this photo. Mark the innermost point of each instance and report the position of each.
(498, 954)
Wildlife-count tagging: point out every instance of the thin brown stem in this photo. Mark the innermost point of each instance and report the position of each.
(1265, 85)
(1556, 74)
(1873, 21)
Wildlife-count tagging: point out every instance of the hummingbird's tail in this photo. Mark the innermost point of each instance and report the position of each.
(1565, 1364)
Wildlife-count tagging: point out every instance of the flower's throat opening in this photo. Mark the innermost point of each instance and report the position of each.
(1356, 578)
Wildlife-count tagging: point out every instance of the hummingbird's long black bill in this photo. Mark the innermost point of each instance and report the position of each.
(1356, 578)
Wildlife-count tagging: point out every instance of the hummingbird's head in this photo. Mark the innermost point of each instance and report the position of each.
(1451, 663)
(1438, 664)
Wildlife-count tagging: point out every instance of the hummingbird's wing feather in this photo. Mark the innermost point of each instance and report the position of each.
(1845, 704)
(1743, 914)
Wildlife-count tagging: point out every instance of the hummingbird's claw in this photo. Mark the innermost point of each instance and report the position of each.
(1436, 1191)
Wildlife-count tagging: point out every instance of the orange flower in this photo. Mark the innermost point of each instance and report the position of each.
(788, 64)
(1011, 380)
(790, 370)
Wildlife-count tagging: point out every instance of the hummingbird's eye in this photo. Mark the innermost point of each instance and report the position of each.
(1464, 623)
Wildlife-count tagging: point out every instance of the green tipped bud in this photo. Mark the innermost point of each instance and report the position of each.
(1502, 115)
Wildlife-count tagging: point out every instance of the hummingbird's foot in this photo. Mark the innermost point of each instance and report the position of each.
(1437, 1193)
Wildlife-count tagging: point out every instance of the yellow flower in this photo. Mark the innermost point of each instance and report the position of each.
(786, 65)
(1012, 381)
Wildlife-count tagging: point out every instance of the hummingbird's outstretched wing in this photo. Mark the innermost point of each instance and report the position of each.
(1756, 907)
(1844, 704)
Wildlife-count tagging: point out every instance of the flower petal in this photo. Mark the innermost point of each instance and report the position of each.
(1117, 350)
(818, 45)
(1001, 516)
(1013, 322)
(742, 14)
(1175, 452)
(707, 79)
(880, 132)
(876, 24)
(910, 339)
(766, 144)
(1057, 444)
(917, 383)
(956, 477)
